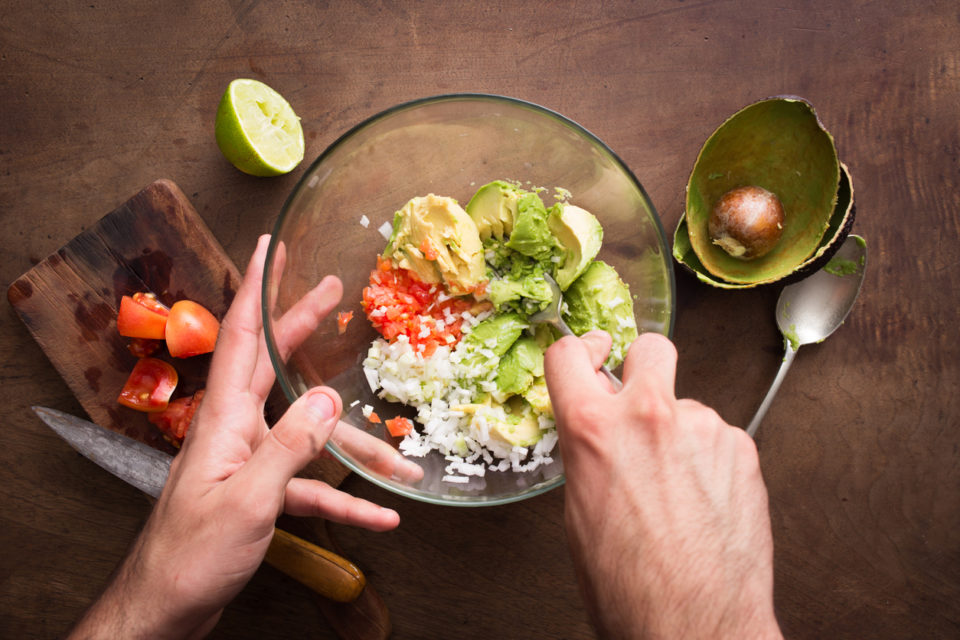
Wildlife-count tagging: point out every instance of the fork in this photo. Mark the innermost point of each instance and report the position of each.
(551, 315)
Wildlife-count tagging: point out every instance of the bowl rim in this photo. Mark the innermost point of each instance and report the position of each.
(267, 321)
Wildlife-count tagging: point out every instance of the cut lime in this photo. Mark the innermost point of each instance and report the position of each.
(257, 130)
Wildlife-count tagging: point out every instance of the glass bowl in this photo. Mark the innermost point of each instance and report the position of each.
(448, 145)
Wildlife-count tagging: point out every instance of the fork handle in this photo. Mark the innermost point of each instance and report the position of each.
(614, 380)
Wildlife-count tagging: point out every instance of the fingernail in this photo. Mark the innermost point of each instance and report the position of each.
(321, 406)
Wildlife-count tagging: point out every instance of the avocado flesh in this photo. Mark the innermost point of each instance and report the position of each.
(513, 422)
(579, 235)
(515, 282)
(780, 145)
(539, 397)
(519, 366)
(441, 224)
(531, 291)
(531, 234)
(493, 209)
(519, 429)
(496, 333)
(599, 299)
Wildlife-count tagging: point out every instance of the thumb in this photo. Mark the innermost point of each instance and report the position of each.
(295, 440)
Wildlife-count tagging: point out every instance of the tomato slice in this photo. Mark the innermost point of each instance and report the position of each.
(142, 316)
(191, 330)
(150, 385)
(176, 418)
(399, 426)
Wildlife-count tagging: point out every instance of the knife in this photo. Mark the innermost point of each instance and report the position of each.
(146, 468)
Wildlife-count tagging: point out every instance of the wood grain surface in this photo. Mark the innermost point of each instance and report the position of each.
(154, 242)
(860, 448)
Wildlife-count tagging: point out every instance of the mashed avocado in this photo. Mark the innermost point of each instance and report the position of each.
(531, 234)
(599, 299)
(435, 238)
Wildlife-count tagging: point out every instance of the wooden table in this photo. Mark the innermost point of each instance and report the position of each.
(860, 448)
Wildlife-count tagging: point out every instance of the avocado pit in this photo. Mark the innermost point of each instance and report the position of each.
(746, 222)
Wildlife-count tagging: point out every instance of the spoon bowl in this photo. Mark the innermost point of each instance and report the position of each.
(812, 309)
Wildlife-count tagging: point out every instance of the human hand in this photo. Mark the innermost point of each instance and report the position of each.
(213, 522)
(665, 506)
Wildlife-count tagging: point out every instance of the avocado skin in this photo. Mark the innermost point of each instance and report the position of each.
(839, 227)
(778, 144)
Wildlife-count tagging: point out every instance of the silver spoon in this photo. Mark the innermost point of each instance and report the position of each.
(551, 315)
(813, 308)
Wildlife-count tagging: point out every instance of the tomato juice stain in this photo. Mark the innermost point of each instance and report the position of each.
(149, 272)
(92, 374)
(92, 317)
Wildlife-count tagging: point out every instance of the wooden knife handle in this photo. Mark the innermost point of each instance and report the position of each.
(325, 572)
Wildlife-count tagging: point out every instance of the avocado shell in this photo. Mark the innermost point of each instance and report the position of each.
(780, 145)
(841, 222)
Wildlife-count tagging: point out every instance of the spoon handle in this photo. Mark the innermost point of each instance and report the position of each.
(768, 400)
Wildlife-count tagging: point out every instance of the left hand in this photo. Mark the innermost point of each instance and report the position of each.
(215, 518)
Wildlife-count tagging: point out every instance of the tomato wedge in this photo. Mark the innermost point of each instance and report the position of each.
(150, 385)
(142, 316)
(191, 330)
(176, 418)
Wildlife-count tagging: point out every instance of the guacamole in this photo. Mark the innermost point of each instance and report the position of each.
(457, 287)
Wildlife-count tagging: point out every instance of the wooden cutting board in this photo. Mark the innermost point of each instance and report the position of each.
(155, 242)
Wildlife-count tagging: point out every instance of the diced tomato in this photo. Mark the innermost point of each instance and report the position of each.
(176, 418)
(343, 319)
(398, 304)
(143, 347)
(191, 330)
(374, 418)
(142, 316)
(427, 250)
(149, 386)
(399, 426)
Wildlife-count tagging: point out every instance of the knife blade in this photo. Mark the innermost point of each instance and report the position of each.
(146, 468)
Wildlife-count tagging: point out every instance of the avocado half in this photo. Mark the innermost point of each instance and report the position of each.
(778, 144)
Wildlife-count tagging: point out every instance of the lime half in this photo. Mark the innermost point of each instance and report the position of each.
(257, 130)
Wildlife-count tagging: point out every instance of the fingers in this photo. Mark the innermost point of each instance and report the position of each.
(313, 498)
(571, 364)
(235, 358)
(375, 454)
(295, 326)
(598, 347)
(651, 363)
(294, 441)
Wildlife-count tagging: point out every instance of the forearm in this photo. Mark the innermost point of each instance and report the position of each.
(134, 605)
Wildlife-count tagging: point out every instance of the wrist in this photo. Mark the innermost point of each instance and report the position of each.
(139, 602)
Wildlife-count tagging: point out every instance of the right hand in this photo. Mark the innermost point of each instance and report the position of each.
(666, 509)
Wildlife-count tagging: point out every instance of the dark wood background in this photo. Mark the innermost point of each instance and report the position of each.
(860, 450)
